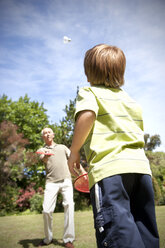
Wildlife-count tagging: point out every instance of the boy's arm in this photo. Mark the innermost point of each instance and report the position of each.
(83, 126)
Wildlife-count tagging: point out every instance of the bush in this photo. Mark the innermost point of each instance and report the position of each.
(157, 162)
(8, 200)
(23, 201)
(157, 190)
(36, 203)
(82, 201)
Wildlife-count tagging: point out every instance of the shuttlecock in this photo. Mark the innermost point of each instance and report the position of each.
(66, 39)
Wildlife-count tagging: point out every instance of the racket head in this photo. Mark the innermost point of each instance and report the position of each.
(49, 154)
(82, 183)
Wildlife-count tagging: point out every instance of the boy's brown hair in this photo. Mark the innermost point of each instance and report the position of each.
(105, 65)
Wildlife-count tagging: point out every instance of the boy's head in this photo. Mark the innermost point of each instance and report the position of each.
(105, 65)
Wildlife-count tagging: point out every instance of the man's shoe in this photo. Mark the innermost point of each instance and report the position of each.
(42, 243)
(69, 245)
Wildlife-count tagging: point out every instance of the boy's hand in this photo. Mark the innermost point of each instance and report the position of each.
(74, 163)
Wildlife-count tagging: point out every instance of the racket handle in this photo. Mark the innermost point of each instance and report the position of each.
(78, 166)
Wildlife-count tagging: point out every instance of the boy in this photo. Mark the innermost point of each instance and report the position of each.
(109, 124)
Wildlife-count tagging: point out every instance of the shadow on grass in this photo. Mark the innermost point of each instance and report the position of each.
(35, 242)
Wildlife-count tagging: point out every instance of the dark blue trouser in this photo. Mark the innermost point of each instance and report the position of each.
(124, 212)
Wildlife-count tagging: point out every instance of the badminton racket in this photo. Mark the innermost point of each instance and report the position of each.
(82, 183)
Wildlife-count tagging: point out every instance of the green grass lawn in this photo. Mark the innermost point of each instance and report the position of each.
(27, 230)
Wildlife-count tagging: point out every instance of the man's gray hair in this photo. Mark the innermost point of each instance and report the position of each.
(42, 132)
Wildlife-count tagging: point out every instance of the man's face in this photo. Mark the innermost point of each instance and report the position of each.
(48, 135)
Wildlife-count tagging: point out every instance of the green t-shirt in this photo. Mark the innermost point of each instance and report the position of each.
(115, 143)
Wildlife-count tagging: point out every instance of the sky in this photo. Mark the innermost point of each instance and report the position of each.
(35, 61)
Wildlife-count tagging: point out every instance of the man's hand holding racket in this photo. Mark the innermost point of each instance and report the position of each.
(44, 154)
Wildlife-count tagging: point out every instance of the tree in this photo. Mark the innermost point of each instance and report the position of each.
(151, 142)
(29, 116)
(12, 147)
(64, 131)
(157, 162)
(17, 167)
(15, 159)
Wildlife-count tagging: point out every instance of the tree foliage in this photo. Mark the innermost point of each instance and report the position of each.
(26, 195)
(64, 130)
(151, 142)
(12, 148)
(29, 116)
(12, 151)
(157, 162)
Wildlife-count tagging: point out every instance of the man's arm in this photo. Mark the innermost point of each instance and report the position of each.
(44, 157)
(83, 126)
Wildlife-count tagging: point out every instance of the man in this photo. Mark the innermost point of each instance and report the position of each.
(58, 179)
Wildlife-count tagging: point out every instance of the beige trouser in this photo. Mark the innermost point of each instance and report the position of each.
(49, 204)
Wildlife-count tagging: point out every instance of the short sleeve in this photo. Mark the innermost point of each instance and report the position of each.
(67, 150)
(86, 100)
